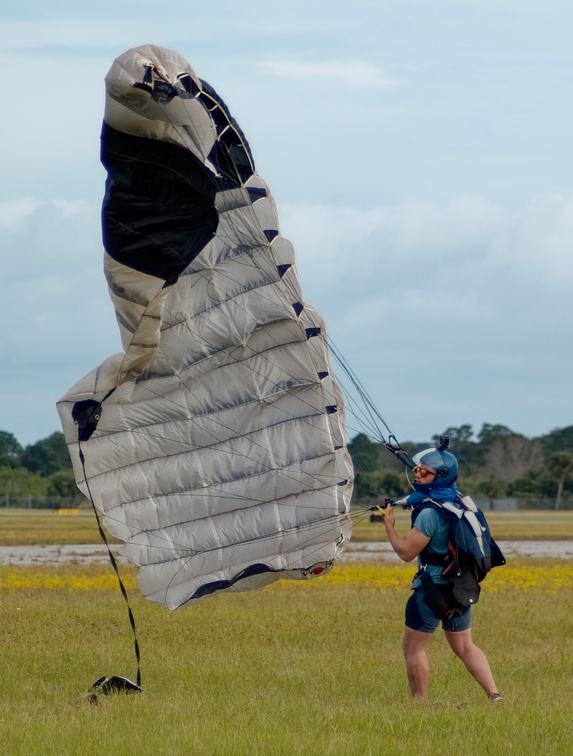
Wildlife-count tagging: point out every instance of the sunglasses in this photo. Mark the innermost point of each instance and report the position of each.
(422, 471)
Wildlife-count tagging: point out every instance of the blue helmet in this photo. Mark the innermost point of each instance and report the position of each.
(443, 462)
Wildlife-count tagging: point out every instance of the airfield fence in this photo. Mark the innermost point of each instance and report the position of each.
(43, 502)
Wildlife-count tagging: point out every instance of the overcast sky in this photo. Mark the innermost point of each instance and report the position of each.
(420, 154)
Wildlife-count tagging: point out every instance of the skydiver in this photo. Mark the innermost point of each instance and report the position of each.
(435, 473)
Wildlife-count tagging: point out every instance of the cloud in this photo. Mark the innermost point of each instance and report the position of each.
(466, 292)
(460, 308)
(468, 299)
(13, 214)
(54, 292)
(456, 247)
(354, 73)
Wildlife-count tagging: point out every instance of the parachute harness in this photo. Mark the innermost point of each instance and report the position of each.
(86, 415)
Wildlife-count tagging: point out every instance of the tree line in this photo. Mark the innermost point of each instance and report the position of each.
(495, 463)
(40, 473)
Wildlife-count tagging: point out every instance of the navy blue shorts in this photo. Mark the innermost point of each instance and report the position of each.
(420, 617)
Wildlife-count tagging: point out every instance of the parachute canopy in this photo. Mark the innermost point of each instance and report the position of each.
(214, 445)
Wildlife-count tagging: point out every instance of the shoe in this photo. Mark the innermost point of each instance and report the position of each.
(497, 698)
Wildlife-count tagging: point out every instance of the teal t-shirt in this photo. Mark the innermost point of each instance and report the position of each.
(434, 525)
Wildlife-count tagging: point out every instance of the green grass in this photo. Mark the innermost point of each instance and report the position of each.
(37, 527)
(307, 669)
(521, 525)
(29, 527)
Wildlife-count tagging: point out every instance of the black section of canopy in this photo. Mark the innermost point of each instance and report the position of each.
(231, 153)
(282, 269)
(220, 585)
(187, 82)
(158, 212)
(256, 193)
(86, 415)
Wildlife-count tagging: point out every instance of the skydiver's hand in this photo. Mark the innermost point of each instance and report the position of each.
(389, 514)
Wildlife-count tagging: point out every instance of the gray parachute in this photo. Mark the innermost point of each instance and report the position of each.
(214, 445)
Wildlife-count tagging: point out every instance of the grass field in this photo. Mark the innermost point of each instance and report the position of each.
(521, 525)
(33, 527)
(313, 668)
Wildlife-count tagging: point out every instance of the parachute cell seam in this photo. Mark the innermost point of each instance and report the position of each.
(256, 505)
(198, 415)
(295, 418)
(239, 251)
(305, 420)
(236, 295)
(234, 479)
(235, 360)
(121, 293)
(288, 565)
(356, 514)
(199, 519)
(226, 442)
(271, 535)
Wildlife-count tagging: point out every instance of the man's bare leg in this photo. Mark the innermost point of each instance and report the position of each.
(414, 645)
(474, 658)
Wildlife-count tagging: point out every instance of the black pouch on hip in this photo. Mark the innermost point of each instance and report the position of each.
(440, 598)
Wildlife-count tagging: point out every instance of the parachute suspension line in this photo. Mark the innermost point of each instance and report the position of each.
(231, 451)
(189, 389)
(369, 405)
(366, 400)
(391, 442)
(369, 422)
(115, 567)
(227, 427)
(276, 534)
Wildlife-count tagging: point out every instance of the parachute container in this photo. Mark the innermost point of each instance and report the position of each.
(214, 444)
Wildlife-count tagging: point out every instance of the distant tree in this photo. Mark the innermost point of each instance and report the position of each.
(63, 483)
(538, 484)
(490, 486)
(377, 486)
(21, 482)
(460, 435)
(511, 456)
(560, 439)
(561, 465)
(490, 433)
(10, 449)
(47, 456)
(462, 445)
(364, 453)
